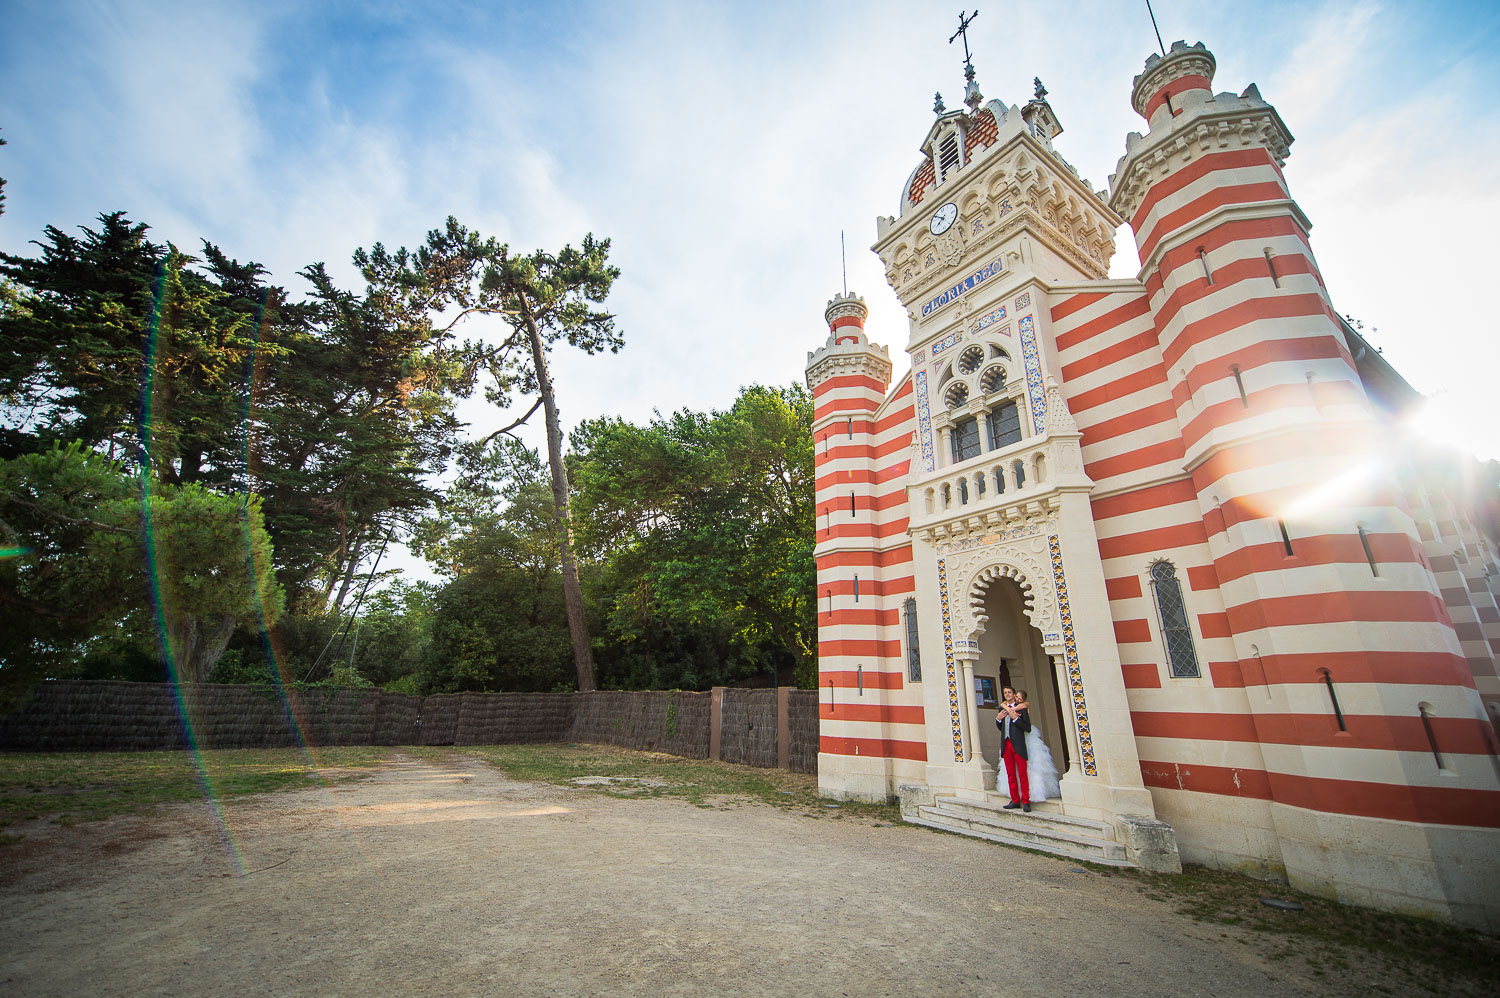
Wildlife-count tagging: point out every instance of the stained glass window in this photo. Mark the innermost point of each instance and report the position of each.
(1172, 612)
(965, 439)
(913, 652)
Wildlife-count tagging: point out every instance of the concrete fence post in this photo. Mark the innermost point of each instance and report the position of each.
(783, 727)
(716, 724)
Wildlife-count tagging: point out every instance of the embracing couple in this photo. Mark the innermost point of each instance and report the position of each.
(1028, 762)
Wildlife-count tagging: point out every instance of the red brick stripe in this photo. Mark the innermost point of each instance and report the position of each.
(1427, 805)
(1178, 86)
(1458, 735)
(875, 748)
(1134, 308)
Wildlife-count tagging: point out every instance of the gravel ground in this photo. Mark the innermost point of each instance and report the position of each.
(449, 879)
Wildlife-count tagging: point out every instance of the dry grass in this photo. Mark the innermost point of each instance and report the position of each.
(87, 786)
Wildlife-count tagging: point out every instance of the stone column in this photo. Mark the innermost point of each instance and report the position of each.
(970, 709)
(1065, 699)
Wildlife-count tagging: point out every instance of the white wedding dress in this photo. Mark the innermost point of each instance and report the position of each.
(1041, 771)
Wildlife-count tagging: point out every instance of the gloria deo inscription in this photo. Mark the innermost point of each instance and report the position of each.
(995, 266)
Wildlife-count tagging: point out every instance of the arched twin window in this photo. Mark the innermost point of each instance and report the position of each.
(1171, 611)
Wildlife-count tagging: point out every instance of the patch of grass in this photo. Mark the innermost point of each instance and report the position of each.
(87, 786)
(698, 781)
(1413, 953)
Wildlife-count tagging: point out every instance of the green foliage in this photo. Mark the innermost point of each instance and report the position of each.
(335, 411)
(351, 422)
(393, 637)
(706, 521)
(542, 297)
(101, 570)
(118, 343)
(70, 585)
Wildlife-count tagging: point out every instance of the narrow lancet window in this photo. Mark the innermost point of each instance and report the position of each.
(1004, 425)
(1364, 541)
(1333, 698)
(1176, 634)
(913, 649)
(1240, 384)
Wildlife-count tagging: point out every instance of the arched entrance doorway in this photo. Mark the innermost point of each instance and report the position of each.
(1011, 654)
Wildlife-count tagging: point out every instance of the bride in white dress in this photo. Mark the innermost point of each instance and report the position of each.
(1041, 771)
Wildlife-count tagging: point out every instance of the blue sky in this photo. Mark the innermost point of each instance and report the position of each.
(723, 148)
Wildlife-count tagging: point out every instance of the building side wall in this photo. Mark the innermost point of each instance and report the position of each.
(871, 717)
(1146, 510)
(1356, 721)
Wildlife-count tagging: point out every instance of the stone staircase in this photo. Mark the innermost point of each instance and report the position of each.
(1045, 828)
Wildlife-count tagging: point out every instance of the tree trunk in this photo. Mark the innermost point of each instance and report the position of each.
(211, 642)
(578, 627)
(348, 570)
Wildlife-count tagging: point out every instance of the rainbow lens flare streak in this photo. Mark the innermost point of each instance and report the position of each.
(294, 723)
(181, 691)
(154, 590)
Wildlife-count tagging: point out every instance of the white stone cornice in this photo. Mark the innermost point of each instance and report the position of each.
(1137, 485)
(829, 364)
(1226, 122)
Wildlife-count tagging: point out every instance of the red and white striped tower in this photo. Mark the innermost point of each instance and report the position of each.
(1368, 727)
(866, 735)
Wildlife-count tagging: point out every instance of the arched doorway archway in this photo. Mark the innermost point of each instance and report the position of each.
(1011, 654)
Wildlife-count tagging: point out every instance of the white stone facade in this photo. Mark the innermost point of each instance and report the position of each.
(1255, 636)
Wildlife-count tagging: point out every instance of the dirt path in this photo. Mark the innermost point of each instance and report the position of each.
(453, 880)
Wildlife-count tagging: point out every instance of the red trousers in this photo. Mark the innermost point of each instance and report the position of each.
(1015, 771)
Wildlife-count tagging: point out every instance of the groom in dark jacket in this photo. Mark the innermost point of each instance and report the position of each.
(1013, 723)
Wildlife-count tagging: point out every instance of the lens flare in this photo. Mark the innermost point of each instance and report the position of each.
(183, 690)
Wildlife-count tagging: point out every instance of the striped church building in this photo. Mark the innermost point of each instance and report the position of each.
(1258, 631)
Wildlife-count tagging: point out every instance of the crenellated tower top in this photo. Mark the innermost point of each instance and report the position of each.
(848, 350)
(1186, 120)
(1184, 75)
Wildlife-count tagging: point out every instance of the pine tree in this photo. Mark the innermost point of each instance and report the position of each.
(543, 297)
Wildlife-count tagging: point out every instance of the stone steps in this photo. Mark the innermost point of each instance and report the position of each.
(1044, 829)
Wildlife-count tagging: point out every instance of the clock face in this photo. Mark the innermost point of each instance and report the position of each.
(943, 218)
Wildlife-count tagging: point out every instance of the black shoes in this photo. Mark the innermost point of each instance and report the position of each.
(1015, 804)
(1026, 808)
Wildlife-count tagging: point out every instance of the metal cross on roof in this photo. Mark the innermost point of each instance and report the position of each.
(963, 29)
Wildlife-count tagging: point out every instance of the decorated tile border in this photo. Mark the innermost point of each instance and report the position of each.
(989, 318)
(919, 356)
(1036, 392)
(1024, 301)
(952, 339)
(958, 735)
(1070, 649)
(924, 420)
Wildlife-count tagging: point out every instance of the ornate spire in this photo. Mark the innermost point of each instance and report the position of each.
(1059, 419)
(1041, 91)
(972, 96)
(937, 104)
